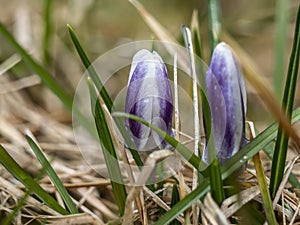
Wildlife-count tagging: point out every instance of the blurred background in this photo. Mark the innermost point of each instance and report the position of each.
(40, 27)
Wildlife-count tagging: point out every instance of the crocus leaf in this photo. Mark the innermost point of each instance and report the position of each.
(214, 23)
(52, 175)
(104, 94)
(14, 168)
(281, 145)
(108, 149)
(184, 151)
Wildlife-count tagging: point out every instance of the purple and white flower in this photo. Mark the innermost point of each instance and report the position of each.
(149, 97)
(227, 99)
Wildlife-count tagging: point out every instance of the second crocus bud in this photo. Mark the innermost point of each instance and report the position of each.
(149, 97)
(227, 99)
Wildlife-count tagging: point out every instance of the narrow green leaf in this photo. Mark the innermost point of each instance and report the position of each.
(269, 150)
(46, 78)
(281, 146)
(227, 169)
(184, 151)
(175, 199)
(254, 146)
(281, 19)
(195, 29)
(175, 195)
(47, 31)
(108, 150)
(104, 94)
(91, 70)
(294, 181)
(184, 204)
(52, 175)
(214, 23)
(13, 167)
(265, 194)
(216, 183)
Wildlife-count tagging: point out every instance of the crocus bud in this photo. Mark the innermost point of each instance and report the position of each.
(227, 99)
(149, 97)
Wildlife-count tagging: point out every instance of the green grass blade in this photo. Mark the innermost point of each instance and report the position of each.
(294, 181)
(184, 151)
(254, 146)
(175, 199)
(184, 204)
(52, 175)
(47, 32)
(91, 70)
(265, 194)
(13, 167)
(195, 29)
(108, 150)
(281, 146)
(214, 23)
(281, 18)
(269, 150)
(104, 94)
(216, 183)
(46, 78)
(227, 169)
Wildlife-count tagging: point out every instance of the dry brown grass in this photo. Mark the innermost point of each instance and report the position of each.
(27, 106)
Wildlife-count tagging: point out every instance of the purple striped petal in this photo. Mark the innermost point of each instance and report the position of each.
(149, 96)
(227, 97)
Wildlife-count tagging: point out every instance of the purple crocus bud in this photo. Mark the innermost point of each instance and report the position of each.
(227, 99)
(149, 97)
